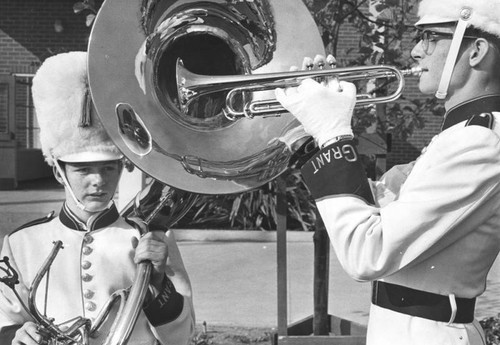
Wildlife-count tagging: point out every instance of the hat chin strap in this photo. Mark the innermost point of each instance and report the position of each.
(451, 59)
(78, 203)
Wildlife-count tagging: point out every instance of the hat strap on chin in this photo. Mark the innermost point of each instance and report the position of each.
(67, 185)
(451, 59)
(78, 203)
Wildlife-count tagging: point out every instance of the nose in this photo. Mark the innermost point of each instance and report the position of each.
(97, 179)
(417, 52)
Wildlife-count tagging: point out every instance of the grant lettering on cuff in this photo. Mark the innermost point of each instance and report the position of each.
(165, 307)
(337, 169)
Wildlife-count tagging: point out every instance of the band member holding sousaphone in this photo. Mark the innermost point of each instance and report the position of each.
(101, 249)
(428, 232)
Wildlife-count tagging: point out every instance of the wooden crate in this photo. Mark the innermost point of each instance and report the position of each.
(342, 332)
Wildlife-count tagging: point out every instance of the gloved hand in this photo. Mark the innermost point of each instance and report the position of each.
(325, 111)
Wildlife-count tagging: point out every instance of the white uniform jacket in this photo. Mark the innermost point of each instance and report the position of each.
(432, 225)
(96, 260)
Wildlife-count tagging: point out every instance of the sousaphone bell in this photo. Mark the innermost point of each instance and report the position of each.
(133, 52)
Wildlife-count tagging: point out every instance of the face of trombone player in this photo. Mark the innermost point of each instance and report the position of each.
(473, 72)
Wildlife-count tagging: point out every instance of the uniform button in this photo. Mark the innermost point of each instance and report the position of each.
(88, 239)
(88, 294)
(86, 277)
(87, 250)
(86, 265)
(90, 306)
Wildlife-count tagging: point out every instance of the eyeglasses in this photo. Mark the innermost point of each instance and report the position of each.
(429, 39)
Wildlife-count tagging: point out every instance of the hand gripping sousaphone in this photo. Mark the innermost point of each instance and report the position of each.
(133, 52)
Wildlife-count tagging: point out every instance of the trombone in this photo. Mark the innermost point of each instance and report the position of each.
(191, 86)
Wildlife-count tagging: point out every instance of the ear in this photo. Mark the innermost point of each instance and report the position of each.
(57, 175)
(479, 51)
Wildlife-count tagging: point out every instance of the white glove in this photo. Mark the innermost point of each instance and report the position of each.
(325, 111)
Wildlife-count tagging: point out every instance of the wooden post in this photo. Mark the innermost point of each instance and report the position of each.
(281, 256)
(321, 322)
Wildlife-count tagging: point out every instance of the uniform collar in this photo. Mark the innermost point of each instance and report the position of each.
(466, 110)
(95, 222)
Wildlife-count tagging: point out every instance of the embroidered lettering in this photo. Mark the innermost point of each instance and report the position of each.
(337, 153)
(346, 152)
(349, 153)
(327, 156)
(319, 160)
(164, 296)
(314, 166)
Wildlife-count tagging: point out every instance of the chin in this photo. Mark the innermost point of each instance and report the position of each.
(96, 206)
(427, 89)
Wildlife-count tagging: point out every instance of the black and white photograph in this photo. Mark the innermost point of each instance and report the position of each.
(232, 172)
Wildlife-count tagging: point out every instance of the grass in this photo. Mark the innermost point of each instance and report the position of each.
(231, 335)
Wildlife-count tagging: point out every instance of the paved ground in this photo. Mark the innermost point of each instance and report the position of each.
(234, 276)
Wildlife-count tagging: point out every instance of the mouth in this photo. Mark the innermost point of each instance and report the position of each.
(98, 195)
(419, 70)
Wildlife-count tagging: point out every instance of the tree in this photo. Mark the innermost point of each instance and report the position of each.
(385, 37)
(87, 7)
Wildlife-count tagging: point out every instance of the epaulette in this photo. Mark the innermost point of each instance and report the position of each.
(42, 220)
(484, 120)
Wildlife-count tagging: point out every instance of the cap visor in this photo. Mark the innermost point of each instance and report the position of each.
(430, 19)
(90, 157)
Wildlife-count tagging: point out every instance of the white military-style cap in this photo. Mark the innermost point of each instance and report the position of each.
(481, 14)
(70, 130)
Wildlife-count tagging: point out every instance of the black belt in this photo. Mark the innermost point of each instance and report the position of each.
(423, 304)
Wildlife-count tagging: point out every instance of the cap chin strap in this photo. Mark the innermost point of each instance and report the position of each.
(78, 203)
(451, 59)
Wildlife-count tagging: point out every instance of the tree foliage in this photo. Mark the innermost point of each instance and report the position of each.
(386, 36)
(491, 327)
(87, 7)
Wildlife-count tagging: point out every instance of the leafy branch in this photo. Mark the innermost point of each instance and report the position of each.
(86, 6)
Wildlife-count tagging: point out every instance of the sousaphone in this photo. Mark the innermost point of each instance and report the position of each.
(133, 53)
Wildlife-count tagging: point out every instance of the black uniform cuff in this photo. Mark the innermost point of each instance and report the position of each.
(337, 169)
(165, 307)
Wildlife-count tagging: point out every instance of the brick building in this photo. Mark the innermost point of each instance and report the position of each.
(32, 30)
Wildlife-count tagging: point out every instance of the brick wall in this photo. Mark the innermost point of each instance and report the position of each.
(30, 24)
(27, 37)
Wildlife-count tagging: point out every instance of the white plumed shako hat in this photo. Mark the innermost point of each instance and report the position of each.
(484, 14)
(70, 130)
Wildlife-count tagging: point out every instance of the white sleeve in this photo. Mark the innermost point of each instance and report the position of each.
(388, 187)
(180, 330)
(452, 184)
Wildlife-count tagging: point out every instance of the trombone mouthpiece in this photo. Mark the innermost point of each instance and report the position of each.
(414, 71)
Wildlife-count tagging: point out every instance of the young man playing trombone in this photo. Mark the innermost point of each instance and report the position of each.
(427, 234)
(100, 248)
